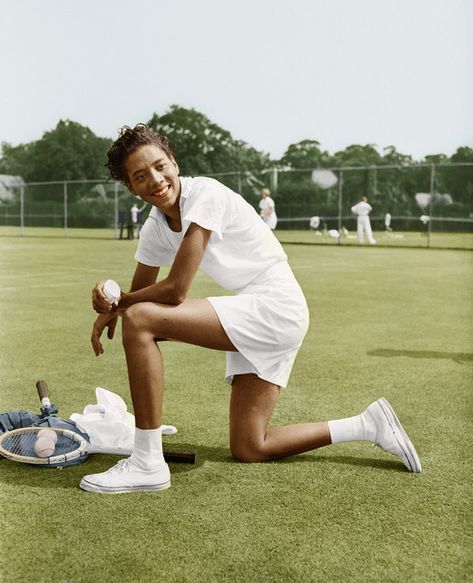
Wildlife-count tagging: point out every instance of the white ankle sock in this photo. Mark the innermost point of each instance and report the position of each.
(354, 428)
(148, 449)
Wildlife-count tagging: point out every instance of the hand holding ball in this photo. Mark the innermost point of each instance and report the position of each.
(112, 291)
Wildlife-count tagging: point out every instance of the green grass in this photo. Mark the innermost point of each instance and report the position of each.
(438, 240)
(392, 322)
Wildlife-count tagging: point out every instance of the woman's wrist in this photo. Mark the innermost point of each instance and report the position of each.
(125, 301)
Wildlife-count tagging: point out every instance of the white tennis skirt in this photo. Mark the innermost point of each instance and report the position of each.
(266, 321)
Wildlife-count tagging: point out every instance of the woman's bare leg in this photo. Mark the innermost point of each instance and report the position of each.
(193, 322)
(251, 440)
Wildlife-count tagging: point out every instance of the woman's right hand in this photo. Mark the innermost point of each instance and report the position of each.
(103, 321)
(100, 302)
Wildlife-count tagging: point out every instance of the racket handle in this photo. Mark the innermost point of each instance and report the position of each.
(183, 457)
(42, 388)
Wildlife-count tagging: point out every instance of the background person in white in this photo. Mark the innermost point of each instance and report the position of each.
(362, 209)
(268, 209)
(387, 222)
(199, 222)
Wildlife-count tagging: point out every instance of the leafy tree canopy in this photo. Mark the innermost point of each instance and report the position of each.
(203, 147)
(305, 154)
(357, 155)
(71, 151)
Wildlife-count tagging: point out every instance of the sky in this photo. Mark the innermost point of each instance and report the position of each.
(272, 72)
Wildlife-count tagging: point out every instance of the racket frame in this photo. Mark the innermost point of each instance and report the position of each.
(51, 461)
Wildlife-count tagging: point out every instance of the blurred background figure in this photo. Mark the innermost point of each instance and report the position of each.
(362, 210)
(268, 209)
(121, 221)
(387, 222)
(134, 212)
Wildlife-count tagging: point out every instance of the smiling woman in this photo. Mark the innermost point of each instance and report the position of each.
(199, 223)
(154, 177)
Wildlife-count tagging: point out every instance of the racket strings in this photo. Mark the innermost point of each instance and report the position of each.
(23, 444)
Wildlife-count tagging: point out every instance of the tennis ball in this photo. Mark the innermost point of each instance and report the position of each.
(44, 447)
(112, 291)
(48, 434)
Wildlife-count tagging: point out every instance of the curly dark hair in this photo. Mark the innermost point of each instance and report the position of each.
(129, 140)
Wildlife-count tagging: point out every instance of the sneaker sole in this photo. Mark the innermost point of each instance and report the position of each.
(412, 461)
(89, 487)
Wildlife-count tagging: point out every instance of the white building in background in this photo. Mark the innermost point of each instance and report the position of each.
(10, 187)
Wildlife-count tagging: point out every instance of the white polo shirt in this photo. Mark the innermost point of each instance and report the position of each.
(362, 209)
(241, 245)
(265, 204)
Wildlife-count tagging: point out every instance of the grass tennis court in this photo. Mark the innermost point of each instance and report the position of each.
(416, 239)
(384, 322)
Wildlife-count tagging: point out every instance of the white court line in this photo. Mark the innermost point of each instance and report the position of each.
(48, 274)
(39, 286)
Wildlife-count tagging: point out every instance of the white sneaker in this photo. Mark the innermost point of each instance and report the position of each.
(390, 434)
(126, 476)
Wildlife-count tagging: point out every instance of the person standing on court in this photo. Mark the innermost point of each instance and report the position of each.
(134, 212)
(268, 209)
(362, 210)
(387, 222)
(199, 223)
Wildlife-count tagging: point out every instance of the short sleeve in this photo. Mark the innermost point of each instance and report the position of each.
(151, 249)
(207, 205)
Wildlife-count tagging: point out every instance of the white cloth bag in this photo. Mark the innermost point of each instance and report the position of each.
(108, 423)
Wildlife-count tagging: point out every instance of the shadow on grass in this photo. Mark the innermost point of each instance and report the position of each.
(222, 455)
(458, 357)
(15, 474)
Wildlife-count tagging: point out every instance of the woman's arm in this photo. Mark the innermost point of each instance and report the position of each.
(144, 276)
(174, 288)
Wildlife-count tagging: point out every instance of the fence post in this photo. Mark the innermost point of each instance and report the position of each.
(340, 206)
(116, 210)
(274, 180)
(431, 202)
(22, 211)
(65, 209)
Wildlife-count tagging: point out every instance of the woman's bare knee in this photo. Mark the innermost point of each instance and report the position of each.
(136, 320)
(248, 453)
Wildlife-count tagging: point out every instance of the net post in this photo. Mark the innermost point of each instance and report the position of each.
(340, 205)
(116, 209)
(65, 209)
(22, 211)
(431, 202)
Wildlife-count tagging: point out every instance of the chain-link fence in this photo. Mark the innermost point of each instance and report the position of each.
(421, 205)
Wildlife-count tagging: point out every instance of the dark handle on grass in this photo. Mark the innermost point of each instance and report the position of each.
(42, 388)
(183, 457)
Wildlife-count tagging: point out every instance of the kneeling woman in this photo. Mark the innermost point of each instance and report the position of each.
(200, 223)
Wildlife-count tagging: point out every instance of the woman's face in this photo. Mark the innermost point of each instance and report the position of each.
(153, 177)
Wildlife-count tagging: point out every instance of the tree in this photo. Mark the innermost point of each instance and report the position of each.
(305, 154)
(203, 147)
(69, 152)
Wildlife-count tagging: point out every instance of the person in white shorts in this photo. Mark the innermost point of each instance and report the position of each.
(362, 211)
(268, 209)
(200, 223)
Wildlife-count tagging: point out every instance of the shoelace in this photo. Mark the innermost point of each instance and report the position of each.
(119, 467)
